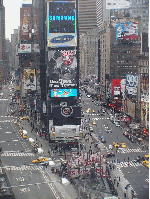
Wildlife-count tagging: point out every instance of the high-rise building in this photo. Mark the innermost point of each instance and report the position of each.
(2, 40)
(141, 8)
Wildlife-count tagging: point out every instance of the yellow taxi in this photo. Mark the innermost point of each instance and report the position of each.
(146, 163)
(147, 157)
(5, 97)
(93, 111)
(40, 160)
(115, 144)
(123, 145)
(15, 122)
(24, 118)
(94, 123)
(24, 136)
(89, 110)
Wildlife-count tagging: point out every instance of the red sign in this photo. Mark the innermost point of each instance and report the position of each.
(67, 57)
(116, 86)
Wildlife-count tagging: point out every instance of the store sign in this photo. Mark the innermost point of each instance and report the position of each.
(62, 69)
(131, 84)
(24, 48)
(117, 4)
(61, 24)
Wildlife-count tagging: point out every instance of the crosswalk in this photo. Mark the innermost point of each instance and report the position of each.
(127, 150)
(24, 168)
(12, 154)
(147, 180)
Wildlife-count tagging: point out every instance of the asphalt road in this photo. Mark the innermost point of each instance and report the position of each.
(132, 151)
(17, 159)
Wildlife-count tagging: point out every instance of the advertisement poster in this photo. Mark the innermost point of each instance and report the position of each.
(17, 80)
(127, 31)
(131, 109)
(36, 23)
(117, 4)
(24, 48)
(131, 84)
(64, 93)
(29, 79)
(25, 23)
(62, 69)
(116, 86)
(61, 24)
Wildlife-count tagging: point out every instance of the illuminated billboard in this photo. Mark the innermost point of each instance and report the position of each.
(116, 86)
(131, 84)
(117, 4)
(61, 24)
(25, 23)
(62, 69)
(127, 31)
(29, 79)
(63, 93)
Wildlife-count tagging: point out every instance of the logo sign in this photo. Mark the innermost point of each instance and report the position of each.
(66, 111)
(62, 39)
(67, 57)
(24, 48)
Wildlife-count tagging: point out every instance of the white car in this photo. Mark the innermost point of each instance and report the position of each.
(117, 124)
(91, 129)
(110, 147)
(88, 96)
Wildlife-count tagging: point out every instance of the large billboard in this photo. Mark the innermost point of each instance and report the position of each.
(29, 79)
(116, 86)
(25, 23)
(24, 48)
(62, 69)
(127, 31)
(64, 93)
(61, 24)
(131, 84)
(67, 115)
(117, 4)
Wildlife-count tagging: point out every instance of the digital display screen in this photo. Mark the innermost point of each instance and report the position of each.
(64, 93)
(61, 23)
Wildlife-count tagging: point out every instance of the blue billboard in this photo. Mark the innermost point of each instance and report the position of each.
(127, 31)
(61, 24)
(63, 93)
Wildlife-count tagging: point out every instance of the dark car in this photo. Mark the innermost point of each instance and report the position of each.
(109, 155)
(137, 159)
(103, 140)
(109, 131)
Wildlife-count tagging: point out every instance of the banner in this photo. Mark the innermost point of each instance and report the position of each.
(29, 79)
(25, 23)
(64, 93)
(62, 69)
(116, 86)
(117, 4)
(61, 24)
(131, 84)
(127, 31)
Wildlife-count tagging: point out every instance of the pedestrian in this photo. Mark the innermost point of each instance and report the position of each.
(119, 178)
(48, 152)
(117, 183)
(113, 167)
(114, 180)
(124, 159)
(41, 145)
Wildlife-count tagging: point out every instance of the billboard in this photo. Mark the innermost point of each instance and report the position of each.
(116, 87)
(64, 93)
(24, 48)
(61, 24)
(25, 23)
(62, 69)
(17, 80)
(36, 23)
(117, 4)
(131, 84)
(29, 79)
(27, 2)
(36, 48)
(67, 115)
(131, 108)
(127, 31)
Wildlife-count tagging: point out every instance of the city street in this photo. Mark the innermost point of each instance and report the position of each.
(25, 177)
(131, 172)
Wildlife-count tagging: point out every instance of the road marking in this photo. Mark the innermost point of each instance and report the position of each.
(17, 154)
